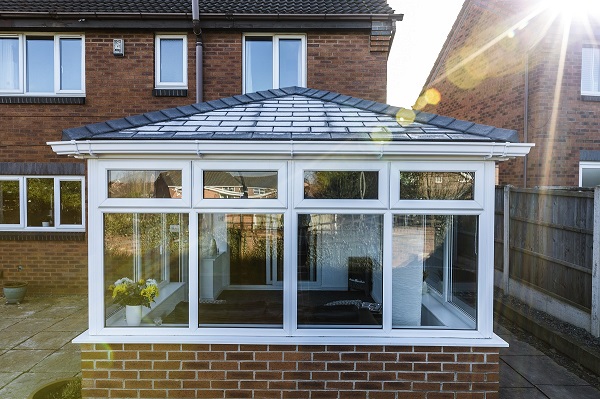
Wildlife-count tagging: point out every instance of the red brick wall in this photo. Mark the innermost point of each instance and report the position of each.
(288, 371)
(490, 87)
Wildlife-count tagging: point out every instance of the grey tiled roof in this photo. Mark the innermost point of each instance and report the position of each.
(206, 6)
(293, 113)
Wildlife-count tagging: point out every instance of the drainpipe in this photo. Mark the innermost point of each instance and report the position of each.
(199, 47)
(526, 117)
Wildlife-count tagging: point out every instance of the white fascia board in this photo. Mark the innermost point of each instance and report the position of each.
(288, 149)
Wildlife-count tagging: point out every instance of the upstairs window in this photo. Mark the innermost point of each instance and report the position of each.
(171, 62)
(590, 71)
(274, 61)
(41, 65)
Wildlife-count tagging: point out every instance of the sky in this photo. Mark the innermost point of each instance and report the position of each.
(418, 41)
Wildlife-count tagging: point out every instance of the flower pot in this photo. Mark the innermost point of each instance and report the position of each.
(14, 291)
(53, 387)
(133, 315)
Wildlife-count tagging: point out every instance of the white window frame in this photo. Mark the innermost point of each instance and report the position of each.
(587, 165)
(21, 91)
(587, 69)
(58, 225)
(434, 205)
(183, 84)
(290, 333)
(276, 37)
(142, 165)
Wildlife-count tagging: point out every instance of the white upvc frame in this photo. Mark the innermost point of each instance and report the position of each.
(146, 165)
(428, 166)
(183, 84)
(58, 225)
(57, 64)
(241, 166)
(276, 38)
(587, 165)
(482, 335)
(587, 68)
(347, 166)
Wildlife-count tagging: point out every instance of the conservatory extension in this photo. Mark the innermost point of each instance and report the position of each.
(293, 217)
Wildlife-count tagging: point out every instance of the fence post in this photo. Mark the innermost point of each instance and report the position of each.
(595, 316)
(506, 241)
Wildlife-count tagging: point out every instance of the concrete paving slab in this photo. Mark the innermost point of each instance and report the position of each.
(56, 311)
(5, 378)
(564, 392)
(9, 338)
(26, 383)
(522, 393)
(33, 325)
(511, 379)
(21, 360)
(519, 348)
(7, 322)
(48, 340)
(71, 323)
(542, 370)
(61, 361)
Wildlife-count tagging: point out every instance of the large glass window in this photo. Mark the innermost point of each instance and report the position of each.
(144, 183)
(437, 185)
(142, 247)
(340, 278)
(171, 61)
(590, 71)
(341, 184)
(434, 271)
(240, 185)
(10, 206)
(241, 269)
(273, 61)
(51, 64)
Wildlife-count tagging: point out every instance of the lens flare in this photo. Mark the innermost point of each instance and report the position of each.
(405, 116)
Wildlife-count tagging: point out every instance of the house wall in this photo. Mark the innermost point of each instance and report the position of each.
(498, 42)
(352, 63)
(290, 371)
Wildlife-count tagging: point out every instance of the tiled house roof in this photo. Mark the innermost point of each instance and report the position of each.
(206, 6)
(293, 113)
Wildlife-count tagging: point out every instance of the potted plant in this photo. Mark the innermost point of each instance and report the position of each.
(14, 291)
(133, 295)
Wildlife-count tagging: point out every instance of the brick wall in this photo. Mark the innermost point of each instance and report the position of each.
(489, 88)
(279, 371)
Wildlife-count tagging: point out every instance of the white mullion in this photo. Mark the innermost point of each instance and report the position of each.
(193, 271)
(290, 272)
(57, 64)
(388, 249)
(55, 203)
(275, 62)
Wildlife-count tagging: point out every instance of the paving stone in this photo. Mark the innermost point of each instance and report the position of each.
(542, 370)
(72, 323)
(565, 391)
(48, 340)
(21, 360)
(522, 393)
(61, 361)
(517, 348)
(10, 338)
(34, 325)
(6, 322)
(511, 379)
(5, 378)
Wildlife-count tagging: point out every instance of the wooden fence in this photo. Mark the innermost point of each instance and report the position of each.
(550, 236)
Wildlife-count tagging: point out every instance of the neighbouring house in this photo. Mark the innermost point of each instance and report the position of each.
(70, 63)
(532, 66)
(305, 243)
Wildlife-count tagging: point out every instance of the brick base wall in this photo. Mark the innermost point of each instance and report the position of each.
(288, 371)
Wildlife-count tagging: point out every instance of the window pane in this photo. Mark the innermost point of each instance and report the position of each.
(590, 177)
(259, 64)
(290, 59)
(144, 184)
(171, 60)
(240, 185)
(434, 271)
(340, 275)
(70, 64)
(241, 269)
(437, 185)
(40, 202)
(147, 246)
(40, 64)
(10, 209)
(9, 64)
(590, 69)
(70, 202)
(341, 185)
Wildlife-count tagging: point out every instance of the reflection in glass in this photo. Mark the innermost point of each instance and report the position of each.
(70, 202)
(240, 185)
(340, 275)
(434, 271)
(171, 60)
(241, 269)
(10, 209)
(9, 63)
(144, 184)
(40, 64)
(259, 63)
(341, 184)
(290, 52)
(437, 185)
(148, 245)
(70, 64)
(40, 202)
